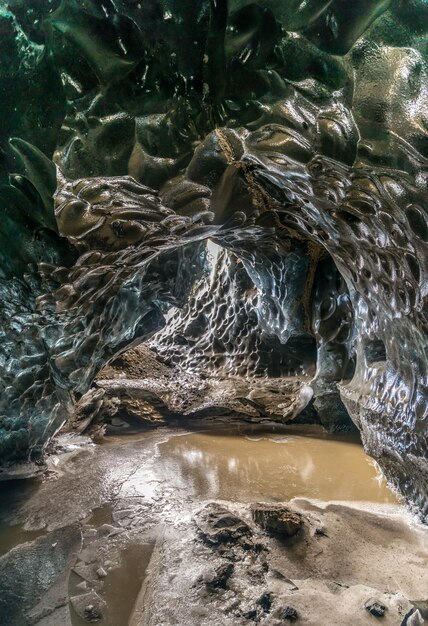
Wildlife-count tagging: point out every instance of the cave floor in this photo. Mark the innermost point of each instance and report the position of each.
(121, 533)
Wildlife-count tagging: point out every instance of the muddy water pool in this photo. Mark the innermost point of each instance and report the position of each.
(273, 463)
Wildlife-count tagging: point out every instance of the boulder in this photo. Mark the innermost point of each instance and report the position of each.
(217, 525)
(277, 519)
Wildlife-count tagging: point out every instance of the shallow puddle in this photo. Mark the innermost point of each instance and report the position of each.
(121, 586)
(271, 464)
(11, 536)
(12, 493)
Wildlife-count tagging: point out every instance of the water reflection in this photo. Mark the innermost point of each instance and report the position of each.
(270, 465)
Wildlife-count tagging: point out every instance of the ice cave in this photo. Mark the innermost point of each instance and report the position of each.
(213, 312)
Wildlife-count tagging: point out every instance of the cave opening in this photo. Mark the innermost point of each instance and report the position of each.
(276, 336)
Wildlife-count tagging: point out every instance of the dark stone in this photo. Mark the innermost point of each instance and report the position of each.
(265, 601)
(219, 579)
(92, 614)
(375, 608)
(217, 525)
(289, 614)
(89, 606)
(251, 614)
(277, 519)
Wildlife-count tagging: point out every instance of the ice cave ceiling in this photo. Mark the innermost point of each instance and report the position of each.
(292, 134)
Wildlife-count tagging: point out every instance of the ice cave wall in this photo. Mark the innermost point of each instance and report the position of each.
(294, 135)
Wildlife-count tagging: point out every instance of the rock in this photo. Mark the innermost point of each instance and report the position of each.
(375, 608)
(277, 519)
(289, 614)
(86, 572)
(106, 529)
(88, 555)
(92, 614)
(89, 606)
(217, 525)
(277, 573)
(422, 606)
(82, 586)
(265, 601)
(219, 578)
(123, 514)
(91, 533)
(101, 573)
(251, 614)
(256, 573)
(413, 618)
